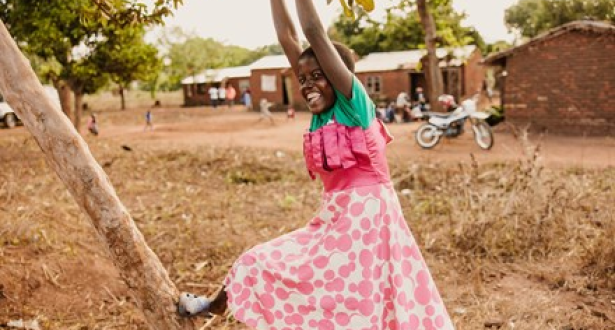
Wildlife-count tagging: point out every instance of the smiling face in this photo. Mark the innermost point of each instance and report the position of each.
(315, 87)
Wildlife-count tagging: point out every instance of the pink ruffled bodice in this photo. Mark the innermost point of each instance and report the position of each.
(347, 157)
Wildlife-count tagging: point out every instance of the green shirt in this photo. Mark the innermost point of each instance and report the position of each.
(358, 111)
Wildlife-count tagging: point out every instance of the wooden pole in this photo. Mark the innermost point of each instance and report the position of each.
(69, 156)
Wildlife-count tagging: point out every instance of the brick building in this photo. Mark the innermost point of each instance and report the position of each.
(562, 81)
(269, 77)
(196, 87)
(387, 74)
(273, 79)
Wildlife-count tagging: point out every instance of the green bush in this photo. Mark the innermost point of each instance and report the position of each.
(497, 115)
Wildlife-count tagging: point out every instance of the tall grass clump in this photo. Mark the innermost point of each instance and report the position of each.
(509, 211)
(599, 263)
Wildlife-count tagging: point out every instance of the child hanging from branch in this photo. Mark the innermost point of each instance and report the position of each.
(355, 265)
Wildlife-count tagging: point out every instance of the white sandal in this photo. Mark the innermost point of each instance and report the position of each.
(191, 305)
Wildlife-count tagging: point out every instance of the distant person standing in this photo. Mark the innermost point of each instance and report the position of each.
(221, 95)
(148, 121)
(93, 125)
(265, 113)
(247, 98)
(231, 94)
(213, 96)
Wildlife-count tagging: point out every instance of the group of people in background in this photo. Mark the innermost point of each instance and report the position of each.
(400, 110)
(226, 94)
(222, 95)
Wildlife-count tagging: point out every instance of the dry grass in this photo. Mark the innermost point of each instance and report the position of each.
(510, 211)
(107, 101)
(512, 243)
(600, 260)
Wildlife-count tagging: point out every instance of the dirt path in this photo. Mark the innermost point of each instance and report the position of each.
(243, 129)
(186, 128)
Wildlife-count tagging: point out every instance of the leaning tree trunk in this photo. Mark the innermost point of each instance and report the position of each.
(433, 73)
(68, 154)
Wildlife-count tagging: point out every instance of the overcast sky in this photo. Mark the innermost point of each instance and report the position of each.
(248, 23)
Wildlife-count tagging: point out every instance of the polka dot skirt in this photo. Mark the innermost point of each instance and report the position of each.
(354, 266)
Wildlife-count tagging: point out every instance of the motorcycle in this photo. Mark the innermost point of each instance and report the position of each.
(452, 124)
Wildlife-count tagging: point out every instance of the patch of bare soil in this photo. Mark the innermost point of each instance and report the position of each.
(512, 243)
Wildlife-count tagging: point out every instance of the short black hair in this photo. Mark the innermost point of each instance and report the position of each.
(345, 53)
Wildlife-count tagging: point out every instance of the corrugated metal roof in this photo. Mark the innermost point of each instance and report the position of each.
(387, 61)
(384, 61)
(217, 75)
(271, 62)
(582, 25)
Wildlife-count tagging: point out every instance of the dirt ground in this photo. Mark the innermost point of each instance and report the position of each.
(238, 128)
(54, 270)
(194, 127)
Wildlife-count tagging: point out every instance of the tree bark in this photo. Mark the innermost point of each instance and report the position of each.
(78, 109)
(69, 156)
(433, 74)
(122, 97)
(64, 93)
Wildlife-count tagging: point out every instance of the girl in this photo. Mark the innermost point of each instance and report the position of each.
(355, 265)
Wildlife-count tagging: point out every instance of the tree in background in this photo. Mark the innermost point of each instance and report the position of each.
(532, 17)
(188, 55)
(84, 77)
(126, 57)
(53, 31)
(363, 35)
(410, 24)
(401, 29)
(274, 49)
(82, 50)
(433, 74)
(498, 46)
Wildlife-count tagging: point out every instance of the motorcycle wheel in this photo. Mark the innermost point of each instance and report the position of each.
(483, 135)
(427, 136)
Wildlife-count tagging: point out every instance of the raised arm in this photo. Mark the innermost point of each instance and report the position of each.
(331, 63)
(287, 35)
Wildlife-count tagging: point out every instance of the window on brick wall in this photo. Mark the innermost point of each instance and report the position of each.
(200, 89)
(373, 85)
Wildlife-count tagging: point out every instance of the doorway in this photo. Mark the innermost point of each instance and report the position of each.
(417, 79)
(287, 90)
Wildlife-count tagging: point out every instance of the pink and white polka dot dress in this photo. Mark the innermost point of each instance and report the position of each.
(355, 265)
